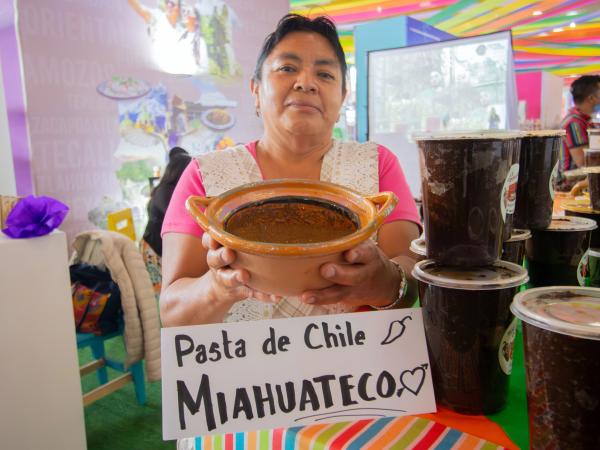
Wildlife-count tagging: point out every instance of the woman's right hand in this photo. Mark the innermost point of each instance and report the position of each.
(229, 284)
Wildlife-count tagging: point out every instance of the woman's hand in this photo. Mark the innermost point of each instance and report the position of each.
(369, 278)
(228, 284)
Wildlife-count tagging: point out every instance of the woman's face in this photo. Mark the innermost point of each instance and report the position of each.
(301, 87)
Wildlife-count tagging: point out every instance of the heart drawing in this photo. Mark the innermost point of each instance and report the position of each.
(413, 380)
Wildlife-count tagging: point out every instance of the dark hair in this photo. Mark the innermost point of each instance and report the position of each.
(295, 22)
(584, 86)
(175, 151)
(178, 161)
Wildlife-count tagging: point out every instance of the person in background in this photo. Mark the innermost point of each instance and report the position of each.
(493, 119)
(299, 85)
(586, 96)
(151, 242)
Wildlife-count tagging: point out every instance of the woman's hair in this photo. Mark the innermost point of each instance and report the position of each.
(294, 22)
(583, 87)
(178, 161)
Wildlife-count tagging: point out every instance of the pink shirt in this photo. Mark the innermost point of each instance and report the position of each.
(391, 178)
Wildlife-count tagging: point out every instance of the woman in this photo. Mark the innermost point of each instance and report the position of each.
(151, 242)
(298, 86)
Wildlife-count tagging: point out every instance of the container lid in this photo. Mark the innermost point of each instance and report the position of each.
(519, 235)
(571, 223)
(592, 169)
(580, 206)
(474, 135)
(500, 275)
(418, 246)
(544, 133)
(593, 130)
(574, 173)
(591, 150)
(570, 310)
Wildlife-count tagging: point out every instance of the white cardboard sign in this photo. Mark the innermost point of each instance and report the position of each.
(246, 376)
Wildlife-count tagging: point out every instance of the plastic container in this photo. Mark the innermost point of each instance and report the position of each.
(513, 250)
(561, 337)
(581, 208)
(594, 138)
(418, 248)
(593, 176)
(470, 332)
(593, 268)
(469, 183)
(538, 166)
(554, 254)
(591, 157)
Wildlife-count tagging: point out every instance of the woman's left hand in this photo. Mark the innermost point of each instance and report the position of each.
(369, 278)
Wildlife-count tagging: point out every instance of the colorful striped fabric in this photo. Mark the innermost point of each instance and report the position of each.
(408, 432)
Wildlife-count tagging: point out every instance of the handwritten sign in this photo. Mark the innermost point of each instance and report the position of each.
(288, 372)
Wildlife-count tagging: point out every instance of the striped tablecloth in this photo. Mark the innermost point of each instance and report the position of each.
(408, 432)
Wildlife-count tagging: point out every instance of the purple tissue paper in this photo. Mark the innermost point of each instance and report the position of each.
(35, 216)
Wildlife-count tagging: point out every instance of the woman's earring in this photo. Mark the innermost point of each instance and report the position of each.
(258, 111)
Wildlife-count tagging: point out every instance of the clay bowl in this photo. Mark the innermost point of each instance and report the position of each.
(288, 269)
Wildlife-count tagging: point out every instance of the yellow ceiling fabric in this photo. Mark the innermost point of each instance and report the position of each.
(507, 21)
(580, 70)
(469, 14)
(581, 50)
(494, 14)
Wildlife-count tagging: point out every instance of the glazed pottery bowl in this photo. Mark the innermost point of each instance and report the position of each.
(289, 268)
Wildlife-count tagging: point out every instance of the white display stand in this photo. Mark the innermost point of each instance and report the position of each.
(551, 101)
(41, 405)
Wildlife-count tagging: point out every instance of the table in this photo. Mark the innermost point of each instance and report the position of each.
(506, 429)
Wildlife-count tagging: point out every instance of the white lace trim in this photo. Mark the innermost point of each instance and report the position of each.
(354, 165)
(249, 309)
(349, 164)
(226, 169)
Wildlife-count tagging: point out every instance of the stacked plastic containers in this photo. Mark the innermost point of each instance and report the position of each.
(557, 251)
(469, 187)
(588, 208)
(592, 167)
(561, 324)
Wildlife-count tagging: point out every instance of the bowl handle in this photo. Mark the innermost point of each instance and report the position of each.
(388, 202)
(192, 205)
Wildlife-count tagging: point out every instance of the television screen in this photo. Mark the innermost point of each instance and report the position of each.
(460, 84)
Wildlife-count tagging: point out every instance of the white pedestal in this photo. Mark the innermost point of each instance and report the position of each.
(41, 404)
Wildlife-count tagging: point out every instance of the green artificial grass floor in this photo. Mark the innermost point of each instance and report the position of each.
(118, 421)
